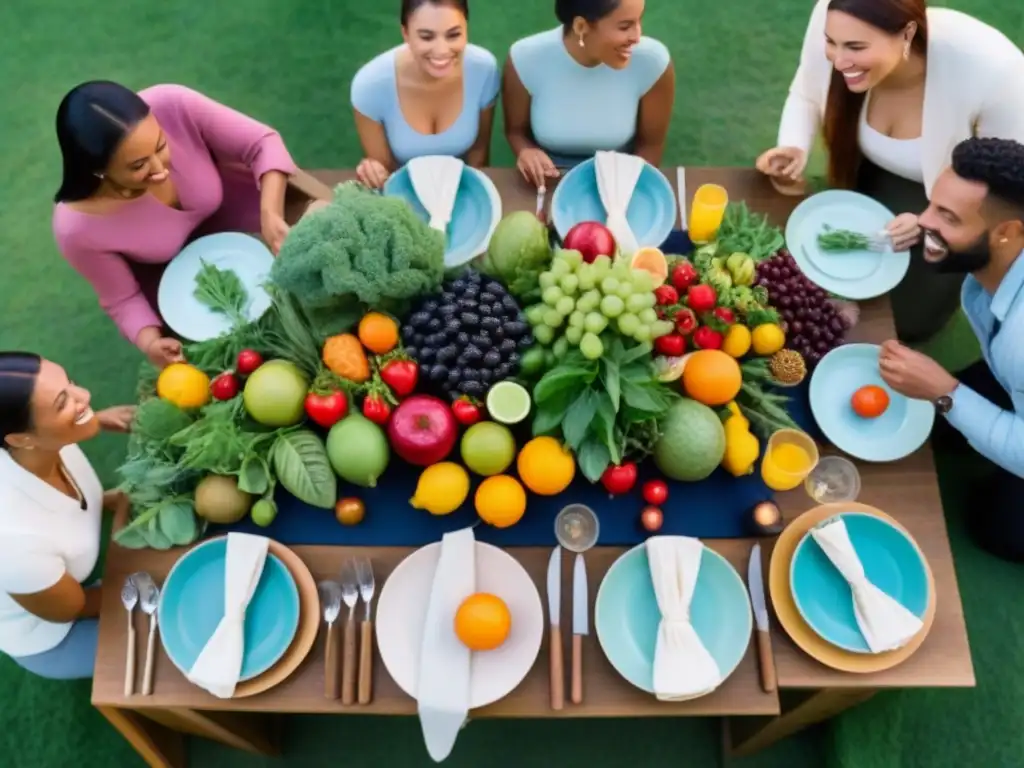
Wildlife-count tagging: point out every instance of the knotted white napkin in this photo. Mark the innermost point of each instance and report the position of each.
(617, 176)
(442, 692)
(220, 662)
(683, 668)
(885, 624)
(435, 180)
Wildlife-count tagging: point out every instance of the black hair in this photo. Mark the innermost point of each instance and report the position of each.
(996, 163)
(92, 121)
(409, 7)
(18, 372)
(592, 10)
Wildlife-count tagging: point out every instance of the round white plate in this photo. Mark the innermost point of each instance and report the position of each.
(243, 254)
(402, 613)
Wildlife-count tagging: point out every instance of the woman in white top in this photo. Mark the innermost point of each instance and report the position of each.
(50, 512)
(895, 87)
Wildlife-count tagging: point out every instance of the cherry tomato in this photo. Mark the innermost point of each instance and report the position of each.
(224, 387)
(326, 410)
(620, 479)
(466, 411)
(655, 492)
(652, 518)
(870, 402)
(376, 410)
(248, 361)
(401, 376)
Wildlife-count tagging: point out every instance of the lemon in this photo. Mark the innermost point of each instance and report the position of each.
(767, 339)
(500, 501)
(441, 488)
(545, 466)
(184, 385)
(737, 341)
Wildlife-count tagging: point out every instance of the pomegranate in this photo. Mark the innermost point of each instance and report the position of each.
(422, 430)
(592, 239)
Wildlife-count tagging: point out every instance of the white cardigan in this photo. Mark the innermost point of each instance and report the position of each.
(974, 87)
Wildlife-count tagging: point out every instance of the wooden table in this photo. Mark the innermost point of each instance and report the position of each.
(808, 691)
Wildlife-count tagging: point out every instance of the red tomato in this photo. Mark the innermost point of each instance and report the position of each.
(248, 361)
(870, 402)
(655, 492)
(224, 387)
(619, 479)
(326, 410)
(376, 410)
(401, 376)
(466, 411)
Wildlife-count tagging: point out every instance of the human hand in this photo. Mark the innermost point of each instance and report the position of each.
(904, 231)
(536, 167)
(274, 229)
(913, 374)
(117, 503)
(116, 419)
(163, 351)
(783, 163)
(371, 173)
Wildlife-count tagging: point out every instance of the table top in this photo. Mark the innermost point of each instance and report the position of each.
(906, 490)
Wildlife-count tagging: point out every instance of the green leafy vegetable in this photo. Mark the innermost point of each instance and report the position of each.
(222, 291)
(300, 462)
(744, 231)
(840, 240)
(518, 252)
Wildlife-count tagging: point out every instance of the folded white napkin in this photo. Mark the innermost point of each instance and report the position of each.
(617, 175)
(220, 662)
(442, 692)
(885, 624)
(683, 668)
(435, 180)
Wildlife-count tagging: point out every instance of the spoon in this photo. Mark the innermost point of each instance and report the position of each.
(330, 599)
(129, 597)
(149, 599)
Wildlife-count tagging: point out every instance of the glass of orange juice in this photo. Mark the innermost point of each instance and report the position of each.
(788, 459)
(706, 212)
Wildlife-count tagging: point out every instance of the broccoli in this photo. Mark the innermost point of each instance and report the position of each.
(362, 251)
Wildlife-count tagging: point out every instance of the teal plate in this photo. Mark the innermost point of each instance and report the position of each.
(192, 605)
(897, 433)
(892, 562)
(626, 615)
(854, 274)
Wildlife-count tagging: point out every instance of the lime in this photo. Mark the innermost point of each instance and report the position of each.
(488, 448)
(508, 402)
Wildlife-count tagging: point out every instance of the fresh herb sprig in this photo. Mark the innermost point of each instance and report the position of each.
(222, 291)
(744, 231)
(839, 240)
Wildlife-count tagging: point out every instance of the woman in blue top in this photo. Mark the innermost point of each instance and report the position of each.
(591, 84)
(434, 95)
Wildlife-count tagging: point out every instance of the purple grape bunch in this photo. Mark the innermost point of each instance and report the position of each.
(812, 323)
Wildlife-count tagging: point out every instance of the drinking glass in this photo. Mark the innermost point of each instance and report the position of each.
(835, 478)
(788, 459)
(706, 212)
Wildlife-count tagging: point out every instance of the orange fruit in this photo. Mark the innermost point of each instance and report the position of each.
(651, 260)
(870, 402)
(546, 466)
(712, 377)
(184, 385)
(378, 333)
(500, 501)
(483, 622)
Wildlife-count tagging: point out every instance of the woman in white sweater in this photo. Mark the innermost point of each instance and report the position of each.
(894, 87)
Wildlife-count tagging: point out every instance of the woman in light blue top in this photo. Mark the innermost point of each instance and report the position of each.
(434, 95)
(591, 84)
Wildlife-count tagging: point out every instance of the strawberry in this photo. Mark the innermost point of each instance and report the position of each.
(683, 275)
(666, 295)
(686, 321)
(726, 315)
(701, 298)
(707, 338)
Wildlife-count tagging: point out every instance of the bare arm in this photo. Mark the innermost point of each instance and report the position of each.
(479, 155)
(515, 100)
(374, 141)
(63, 602)
(654, 117)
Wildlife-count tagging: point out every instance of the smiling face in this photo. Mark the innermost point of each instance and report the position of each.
(864, 55)
(61, 414)
(957, 235)
(143, 159)
(436, 35)
(611, 40)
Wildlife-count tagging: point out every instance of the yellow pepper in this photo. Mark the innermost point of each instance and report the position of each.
(741, 446)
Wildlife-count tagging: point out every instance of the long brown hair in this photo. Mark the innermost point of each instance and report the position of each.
(843, 107)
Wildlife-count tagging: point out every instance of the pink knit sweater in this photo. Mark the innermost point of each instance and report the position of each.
(217, 158)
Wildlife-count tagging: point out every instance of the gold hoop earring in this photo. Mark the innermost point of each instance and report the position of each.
(582, 44)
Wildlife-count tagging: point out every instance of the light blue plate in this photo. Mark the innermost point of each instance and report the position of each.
(244, 255)
(901, 430)
(852, 275)
(192, 604)
(892, 562)
(651, 212)
(626, 615)
(475, 216)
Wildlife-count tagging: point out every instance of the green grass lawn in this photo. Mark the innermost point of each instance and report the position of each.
(290, 64)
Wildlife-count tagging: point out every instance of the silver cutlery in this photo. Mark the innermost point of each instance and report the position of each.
(755, 583)
(130, 598)
(364, 573)
(149, 601)
(681, 196)
(541, 195)
(330, 599)
(580, 625)
(555, 618)
(350, 595)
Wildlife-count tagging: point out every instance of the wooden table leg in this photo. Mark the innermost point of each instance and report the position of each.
(800, 709)
(158, 745)
(250, 732)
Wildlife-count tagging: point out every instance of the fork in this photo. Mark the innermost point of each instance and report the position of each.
(364, 572)
(350, 595)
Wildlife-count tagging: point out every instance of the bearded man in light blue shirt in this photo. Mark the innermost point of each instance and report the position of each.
(975, 226)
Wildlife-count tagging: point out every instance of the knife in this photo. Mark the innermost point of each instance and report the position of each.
(555, 619)
(681, 196)
(755, 582)
(580, 606)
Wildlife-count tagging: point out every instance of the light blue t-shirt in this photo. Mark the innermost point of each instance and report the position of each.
(375, 94)
(576, 111)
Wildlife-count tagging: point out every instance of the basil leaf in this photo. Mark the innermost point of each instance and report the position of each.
(302, 467)
(254, 476)
(640, 399)
(593, 458)
(577, 420)
(610, 379)
(178, 522)
(557, 380)
(631, 355)
(130, 538)
(547, 420)
(604, 429)
(154, 536)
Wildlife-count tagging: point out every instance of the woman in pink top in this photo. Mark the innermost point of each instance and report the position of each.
(144, 174)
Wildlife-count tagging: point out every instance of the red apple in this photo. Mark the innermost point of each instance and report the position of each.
(592, 239)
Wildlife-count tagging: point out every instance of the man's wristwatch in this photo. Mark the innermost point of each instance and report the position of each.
(943, 405)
